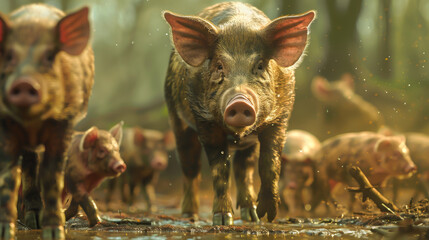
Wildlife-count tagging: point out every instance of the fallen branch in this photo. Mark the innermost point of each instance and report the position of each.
(368, 191)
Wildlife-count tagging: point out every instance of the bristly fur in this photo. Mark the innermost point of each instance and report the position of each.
(242, 59)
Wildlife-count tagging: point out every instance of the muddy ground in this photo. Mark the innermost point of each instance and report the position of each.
(122, 222)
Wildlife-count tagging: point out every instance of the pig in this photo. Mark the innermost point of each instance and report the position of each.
(343, 110)
(298, 164)
(230, 87)
(145, 151)
(92, 157)
(379, 157)
(418, 144)
(47, 73)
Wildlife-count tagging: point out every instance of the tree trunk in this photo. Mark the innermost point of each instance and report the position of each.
(342, 42)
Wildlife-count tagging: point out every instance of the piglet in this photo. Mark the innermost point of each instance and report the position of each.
(145, 151)
(92, 157)
(380, 157)
(298, 165)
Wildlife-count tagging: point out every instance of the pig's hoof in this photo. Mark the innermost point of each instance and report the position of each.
(222, 219)
(249, 214)
(7, 231)
(192, 216)
(31, 219)
(54, 233)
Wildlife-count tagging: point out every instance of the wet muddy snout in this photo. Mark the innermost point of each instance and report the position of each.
(24, 92)
(240, 111)
(118, 166)
(410, 169)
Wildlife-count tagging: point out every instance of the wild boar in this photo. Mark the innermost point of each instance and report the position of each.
(343, 110)
(92, 157)
(379, 157)
(230, 84)
(46, 72)
(145, 151)
(298, 166)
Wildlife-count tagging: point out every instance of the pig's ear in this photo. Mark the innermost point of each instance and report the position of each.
(88, 139)
(385, 144)
(287, 37)
(73, 32)
(116, 132)
(138, 136)
(169, 140)
(4, 27)
(321, 88)
(193, 37)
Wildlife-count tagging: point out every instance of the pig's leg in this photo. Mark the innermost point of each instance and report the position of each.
(189, 151)
(132, 187)
(56, 137)
(215, 145)
(272, 139)
(30, 190)
(90, 208)
(149, 196)
(282, 188)
(111, 184)
(72, 209)
(395, 186)
(10, 176)
(244, 167)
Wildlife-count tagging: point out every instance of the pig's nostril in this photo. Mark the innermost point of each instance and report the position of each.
(247, 113)
(33, 92)
(16, 91)
(232, 113)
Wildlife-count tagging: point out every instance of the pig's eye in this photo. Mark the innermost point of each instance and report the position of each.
(102, 153)
(219, 67)
(49, 57)
(260, 66)
(10, 56)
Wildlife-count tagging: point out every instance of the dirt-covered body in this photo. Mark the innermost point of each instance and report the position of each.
(46, 74)
(379, 157)
(230, 86)
(298, 166)
(92, 157)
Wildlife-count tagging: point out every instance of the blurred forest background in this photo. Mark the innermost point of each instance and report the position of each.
(384, 44)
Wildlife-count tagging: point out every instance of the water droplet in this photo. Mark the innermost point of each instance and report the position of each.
(132, 42)
(222, 152)
(166, 34)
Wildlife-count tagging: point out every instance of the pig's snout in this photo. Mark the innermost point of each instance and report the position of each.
(410, 169)
(24, 93)
(292, 185)
(158, 164)
(119, 167)
(239, 112)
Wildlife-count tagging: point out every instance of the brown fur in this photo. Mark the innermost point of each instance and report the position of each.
(30, 39)
(237, 38)
(86, 170)
(379, 157)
